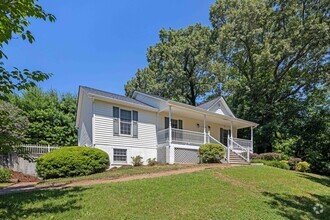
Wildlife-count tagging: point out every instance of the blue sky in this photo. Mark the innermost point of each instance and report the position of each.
(100, 43)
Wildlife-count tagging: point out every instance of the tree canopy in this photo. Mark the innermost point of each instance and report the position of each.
(14, 20)
(179, 66)
(276, 55)
(51, 117)
(12, 126)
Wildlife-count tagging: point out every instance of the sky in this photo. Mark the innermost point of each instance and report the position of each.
(101, 43)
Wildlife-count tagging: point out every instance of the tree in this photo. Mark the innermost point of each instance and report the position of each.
(179, 66)
(12, 126)
(51, 117)
(14, 20)
(275, 54)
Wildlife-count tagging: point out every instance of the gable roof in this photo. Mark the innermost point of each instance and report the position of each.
(113, 96)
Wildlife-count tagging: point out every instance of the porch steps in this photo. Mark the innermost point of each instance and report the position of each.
(235, 159)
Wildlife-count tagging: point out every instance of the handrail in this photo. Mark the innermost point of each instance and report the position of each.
(244, 143)
(245, 150)
(218, 142)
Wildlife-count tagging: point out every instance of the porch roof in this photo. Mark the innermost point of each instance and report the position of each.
(198, 113)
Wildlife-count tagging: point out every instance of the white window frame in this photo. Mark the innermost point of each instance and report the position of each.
(113, 155)
(128, 135)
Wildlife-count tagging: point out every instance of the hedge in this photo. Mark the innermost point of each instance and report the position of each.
(72, 161)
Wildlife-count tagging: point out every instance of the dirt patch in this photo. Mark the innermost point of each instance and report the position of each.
(149, 176)
(21, 177)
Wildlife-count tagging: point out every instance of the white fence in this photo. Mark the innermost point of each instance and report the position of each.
(35, 150)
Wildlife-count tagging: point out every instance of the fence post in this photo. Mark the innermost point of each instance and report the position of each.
(248, 155)
(48, 148)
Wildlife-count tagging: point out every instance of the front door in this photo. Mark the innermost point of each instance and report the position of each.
(177, 135)
(224, 136)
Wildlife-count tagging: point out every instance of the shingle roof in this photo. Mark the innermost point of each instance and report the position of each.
(156, 96)
(208, 104)
(113, 96)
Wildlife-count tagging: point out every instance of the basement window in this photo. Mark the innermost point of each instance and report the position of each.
(120, 155)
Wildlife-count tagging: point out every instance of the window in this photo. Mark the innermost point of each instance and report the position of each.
(125, 122)
(120, 155)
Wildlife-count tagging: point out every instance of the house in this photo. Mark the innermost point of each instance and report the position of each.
(155, 127)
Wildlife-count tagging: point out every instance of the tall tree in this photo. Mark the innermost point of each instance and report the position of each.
(14, 20)
(12, 126)
(51, 117)
(179, 66)
(276, 54)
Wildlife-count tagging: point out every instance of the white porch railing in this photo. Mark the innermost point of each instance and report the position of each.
(180, 136)
(244, 143)
(241, 151)
(186, 137)
(35, 149)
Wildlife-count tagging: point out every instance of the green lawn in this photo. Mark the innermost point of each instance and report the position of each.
(248, 192)
(121, 172)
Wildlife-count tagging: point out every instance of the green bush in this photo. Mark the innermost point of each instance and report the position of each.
(303, 166)
(267, 156)
(278, 164)
(211, 153)
(293, 163)
(152, 162)
(72, 161)
(257, 161)
(137, 161)
(5, 175)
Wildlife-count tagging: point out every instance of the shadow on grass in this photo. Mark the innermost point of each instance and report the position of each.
(300, 207)
(39, 203)
(324, 180)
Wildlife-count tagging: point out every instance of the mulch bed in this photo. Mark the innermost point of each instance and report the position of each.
(21, 177)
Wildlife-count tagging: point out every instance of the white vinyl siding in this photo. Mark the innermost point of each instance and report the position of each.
(104, 127)
(85, 122)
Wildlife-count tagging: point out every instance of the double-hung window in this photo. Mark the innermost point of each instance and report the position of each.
(125, 122)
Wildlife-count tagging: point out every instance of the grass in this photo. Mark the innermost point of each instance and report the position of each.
(118, 172)
(247, 192)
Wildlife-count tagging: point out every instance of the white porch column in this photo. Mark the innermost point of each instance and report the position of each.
(170, 125)
(171, 148)
(231, 134)
(204, 129)
(251, 139)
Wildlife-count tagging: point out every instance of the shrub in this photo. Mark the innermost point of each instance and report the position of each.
(270, 156)
(152, 162)
(5, 175)
(72, 161)
(211, 153)
(257, 161)
(303, 166)
(278, 164)
(293, 163)
(254, 156)
(266, 156)
(137, 161)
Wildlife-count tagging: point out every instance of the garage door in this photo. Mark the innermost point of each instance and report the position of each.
(182, 155)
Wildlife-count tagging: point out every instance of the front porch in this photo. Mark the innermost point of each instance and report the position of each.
(181, 131)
